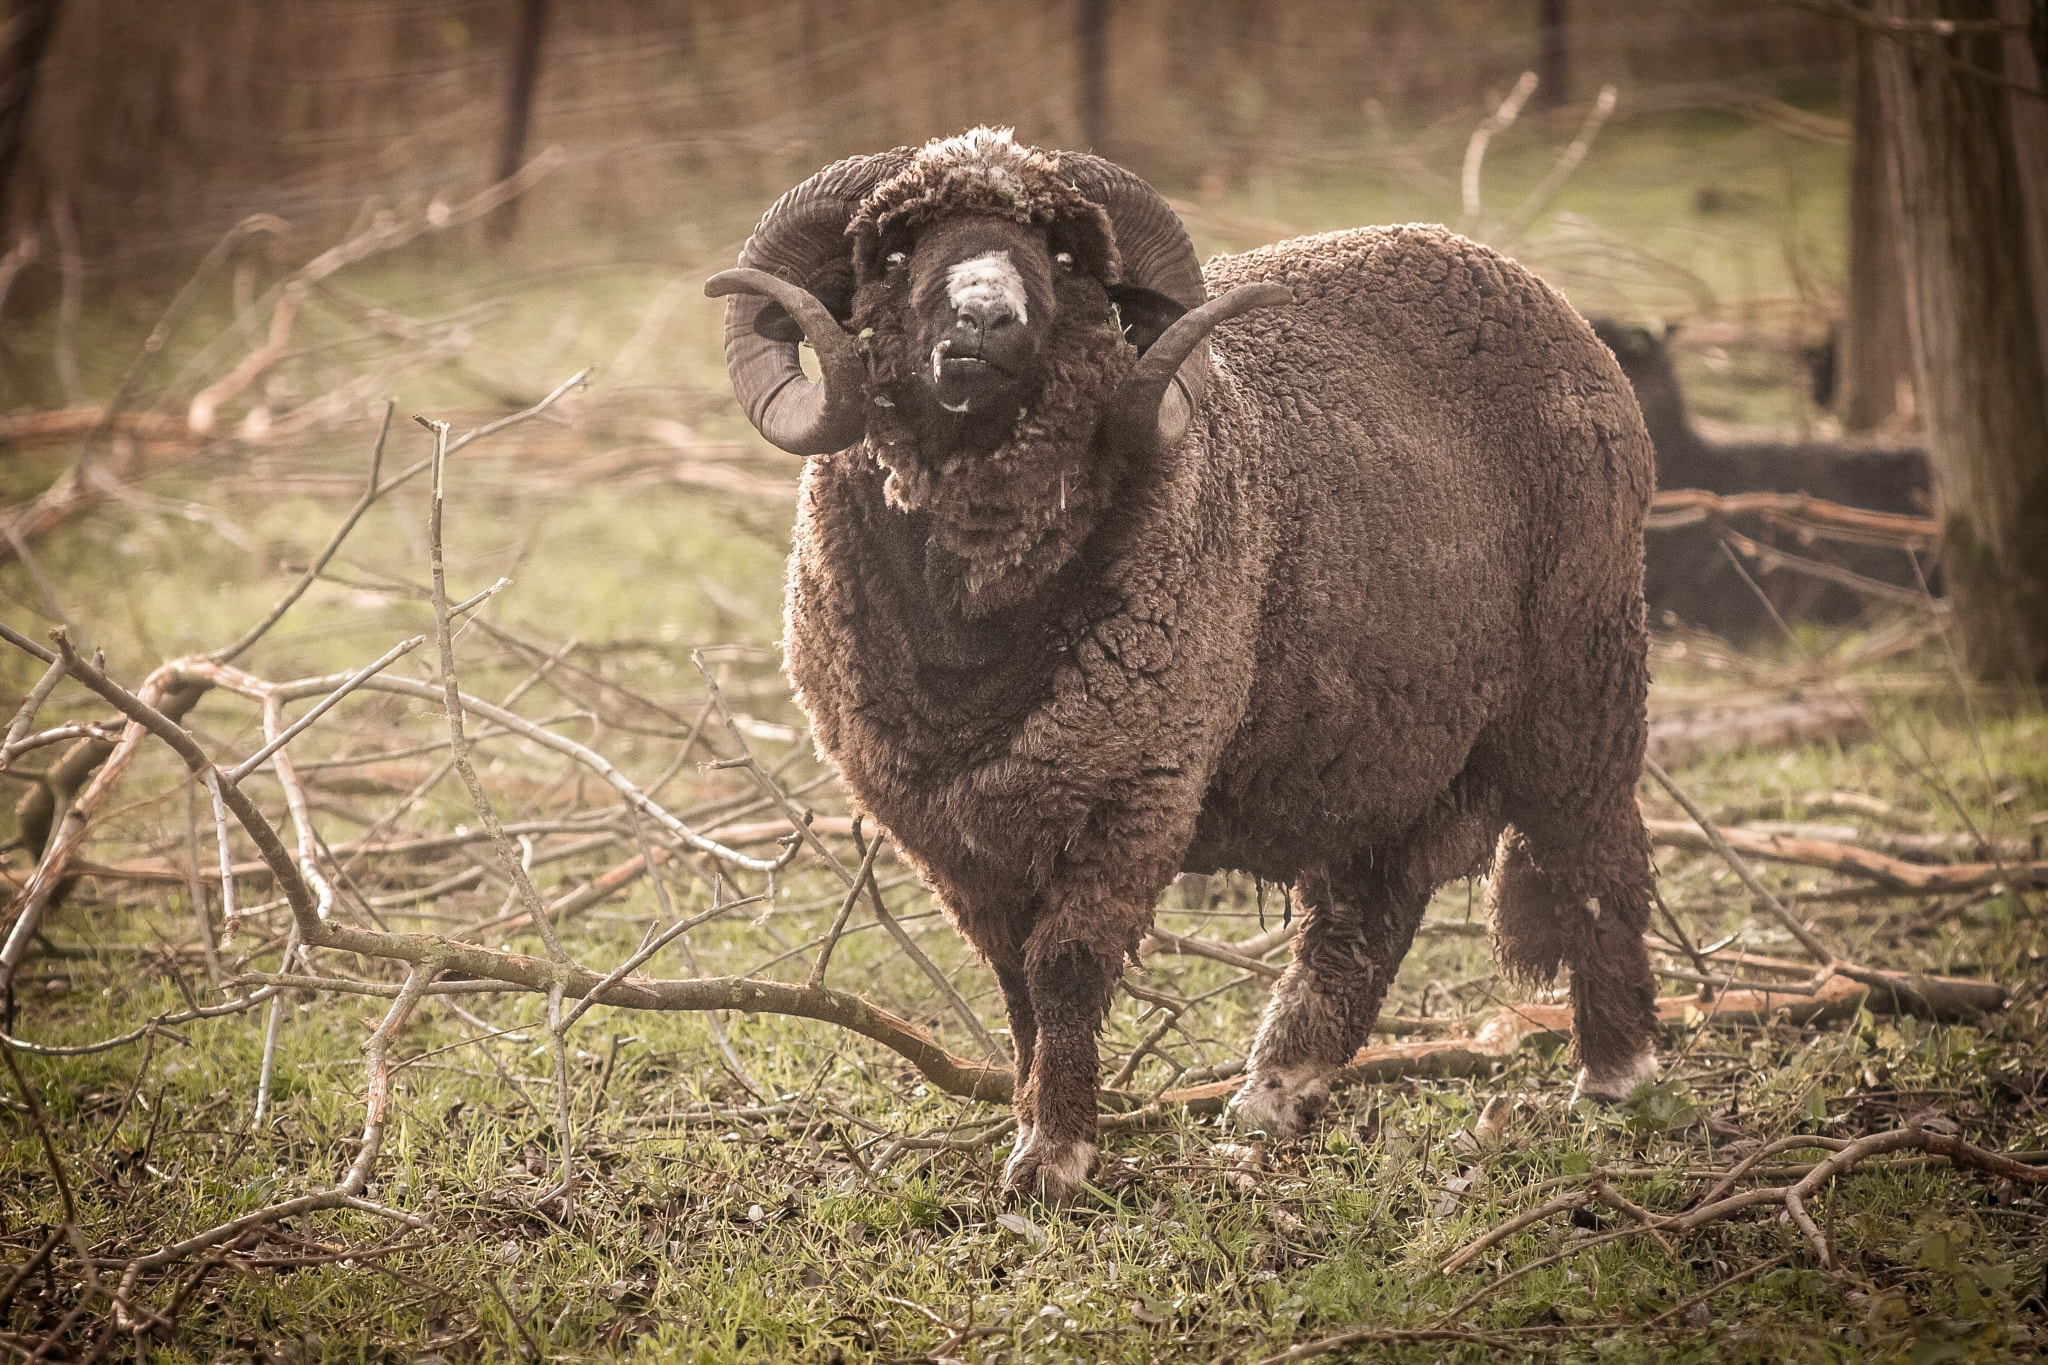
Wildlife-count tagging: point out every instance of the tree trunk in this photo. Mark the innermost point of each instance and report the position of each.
(1553, 69)
(524, 71)
(1873, 357)
(24, 34)
(1964, 116)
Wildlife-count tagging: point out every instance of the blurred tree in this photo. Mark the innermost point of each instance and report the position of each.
(1554, 85)
(24, 34)
(1960, 83)
(1873, 355)
(525, 70)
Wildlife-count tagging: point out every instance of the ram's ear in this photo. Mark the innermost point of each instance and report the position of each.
(775, 323)
(1143, 313)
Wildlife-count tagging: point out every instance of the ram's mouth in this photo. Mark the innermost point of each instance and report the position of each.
(967, 383)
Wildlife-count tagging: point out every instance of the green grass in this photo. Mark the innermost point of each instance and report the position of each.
(760, 1239)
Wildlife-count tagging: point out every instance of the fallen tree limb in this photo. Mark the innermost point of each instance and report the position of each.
(1675, 740)
(1895, 873)
(1722, 1201)
(1768, 557)
(1689, 506)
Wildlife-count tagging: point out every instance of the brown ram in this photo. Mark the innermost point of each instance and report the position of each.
(1098, 578)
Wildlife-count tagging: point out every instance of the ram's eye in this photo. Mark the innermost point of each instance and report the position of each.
(895, 258)
(1065, 259)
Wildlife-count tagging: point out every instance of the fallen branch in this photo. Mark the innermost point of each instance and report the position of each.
(1677, 507)
(1722, 1201)
(1676, 740)
(1893, 873)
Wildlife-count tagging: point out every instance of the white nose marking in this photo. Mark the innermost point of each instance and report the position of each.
(987, 279)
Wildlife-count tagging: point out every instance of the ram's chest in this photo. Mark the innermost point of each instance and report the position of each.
(1001, 758)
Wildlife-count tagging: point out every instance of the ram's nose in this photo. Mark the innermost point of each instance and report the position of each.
(980, 324)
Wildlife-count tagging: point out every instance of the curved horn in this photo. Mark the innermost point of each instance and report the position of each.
(1156, 402)
(1157, 254)
(799, 246)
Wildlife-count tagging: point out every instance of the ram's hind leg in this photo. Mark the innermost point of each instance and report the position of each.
(1354, 932)
(1578, 894)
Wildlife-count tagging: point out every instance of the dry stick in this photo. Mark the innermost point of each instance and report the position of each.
(69, 833)
(87, 1266)
(725, 1048)
(72, 267)
(860, 880)
(1521, 1271)
(1891, 874)
(30, 704)
(1822, 954)
(1539, 198)
(195, 891)
(977, 1080)
(273, 1024)
(279, 738)
(1475, 149)
(1769, 557)
(143, 1030)
(1802, 512)
(525, 729)
(231, 914)
(1684, 939)
(26, 645)
(1905, 989)
(230, 653)
(383, 235)
(348, 1194)
(565, 1132)
(1565, 1203)
(960, 1007)
(42, 1253)
(1747, 1273)
(458, 743)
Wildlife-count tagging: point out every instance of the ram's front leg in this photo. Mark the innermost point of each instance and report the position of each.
(1071, 968)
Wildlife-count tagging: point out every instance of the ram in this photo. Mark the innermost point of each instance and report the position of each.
(1323, 562)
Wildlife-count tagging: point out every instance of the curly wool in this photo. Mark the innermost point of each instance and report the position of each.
(984, 172)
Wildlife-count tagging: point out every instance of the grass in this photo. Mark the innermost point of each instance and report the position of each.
(774, 1237)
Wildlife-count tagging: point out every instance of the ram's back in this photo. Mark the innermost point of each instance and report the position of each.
(1455, 474)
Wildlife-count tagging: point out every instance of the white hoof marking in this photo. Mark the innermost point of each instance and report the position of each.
(1617, 1084)
(1058, 1168)
(1280, 1102)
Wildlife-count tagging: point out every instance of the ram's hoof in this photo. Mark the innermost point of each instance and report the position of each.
(1047, 1170)
(1282, 1102)
(1616, 1085)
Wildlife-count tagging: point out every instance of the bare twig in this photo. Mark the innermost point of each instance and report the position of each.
(1807, 940)
(458, 742)
(30, 704)
(860, 880)
(229, 653)
(1539, 198)
(1475, 149)
(299, 727)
